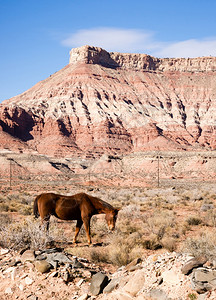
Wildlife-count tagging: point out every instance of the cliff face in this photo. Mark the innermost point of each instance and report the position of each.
(140, 62)
(115, 103)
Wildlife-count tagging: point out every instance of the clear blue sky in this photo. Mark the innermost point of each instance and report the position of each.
(37, 35)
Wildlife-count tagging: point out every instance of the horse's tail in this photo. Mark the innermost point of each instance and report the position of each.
(35, 207)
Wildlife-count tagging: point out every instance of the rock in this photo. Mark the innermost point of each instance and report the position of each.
(160, 280)
(204, 275)
(28, 255)
(80, 282)
(51, 250)
(158, 294)
(119, 296)
(14, 263)
(41, 257)
(42, 266)
(66, 276)
(202, 296)
(135, 283)
(172, 276)
(112, 285)
(193, 263)
(13, 274)
(32, 297)
(132, 266)
(83, 297)
(203, 280)
(54, 274)
(98, 282)
(4, 251)
(8, 291)
(28, 281)
(61, 258)
(77, 264)
(206, 207)
(10, 269)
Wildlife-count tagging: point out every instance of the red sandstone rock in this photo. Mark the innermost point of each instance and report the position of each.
(115, 103)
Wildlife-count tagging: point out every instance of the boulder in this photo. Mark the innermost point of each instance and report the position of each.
(42, 266)
(193, 263)
(172, 276)
(112, 285)
(135, 283)
(58, 257)
(134, 265)
(203, 280)
(98, 283)
(158, 294)
(28, 255)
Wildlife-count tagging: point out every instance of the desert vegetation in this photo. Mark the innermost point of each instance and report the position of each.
(150, 219)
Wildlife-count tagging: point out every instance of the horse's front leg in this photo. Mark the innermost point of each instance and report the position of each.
(86, 222)
(78, 227)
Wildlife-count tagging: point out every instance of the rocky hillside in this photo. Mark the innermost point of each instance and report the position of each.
(115, 103)
(53, 273)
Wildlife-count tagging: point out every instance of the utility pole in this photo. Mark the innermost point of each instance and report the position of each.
(10, 168)
(158, 170)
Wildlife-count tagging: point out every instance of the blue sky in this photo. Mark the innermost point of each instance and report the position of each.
(36, 36)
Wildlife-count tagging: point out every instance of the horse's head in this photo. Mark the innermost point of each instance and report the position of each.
(111, 218)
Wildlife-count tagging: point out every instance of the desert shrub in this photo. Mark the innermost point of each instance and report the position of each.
(27, 233)
(194, 221)
(123, 250)
(151, 242)
(98, 256)
(16, 203)
(169, 243)
(130, 211)
(184, 228)
(202, 244)
(4, 207)
(4, 220)
(135, 232)
(161, 222)
(126, 242)
(192, 296)
(211, 217)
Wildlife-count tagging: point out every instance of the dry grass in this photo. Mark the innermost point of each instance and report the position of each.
(26, 234)
(202, 244)
(149, 219)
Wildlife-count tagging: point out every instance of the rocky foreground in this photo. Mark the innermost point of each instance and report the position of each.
(53, 273)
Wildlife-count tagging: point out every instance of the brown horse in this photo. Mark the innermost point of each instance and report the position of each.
(80, 207)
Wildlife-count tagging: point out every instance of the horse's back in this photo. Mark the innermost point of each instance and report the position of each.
(62, 207)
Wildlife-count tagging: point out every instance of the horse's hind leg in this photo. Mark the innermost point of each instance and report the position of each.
(78, 227)
(45, 223)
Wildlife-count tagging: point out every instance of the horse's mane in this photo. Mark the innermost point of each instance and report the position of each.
(103, 203)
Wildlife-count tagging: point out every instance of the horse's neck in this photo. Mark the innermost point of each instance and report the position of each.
(101, 206)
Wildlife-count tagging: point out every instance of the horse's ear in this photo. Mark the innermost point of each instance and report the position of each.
(117, 210)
